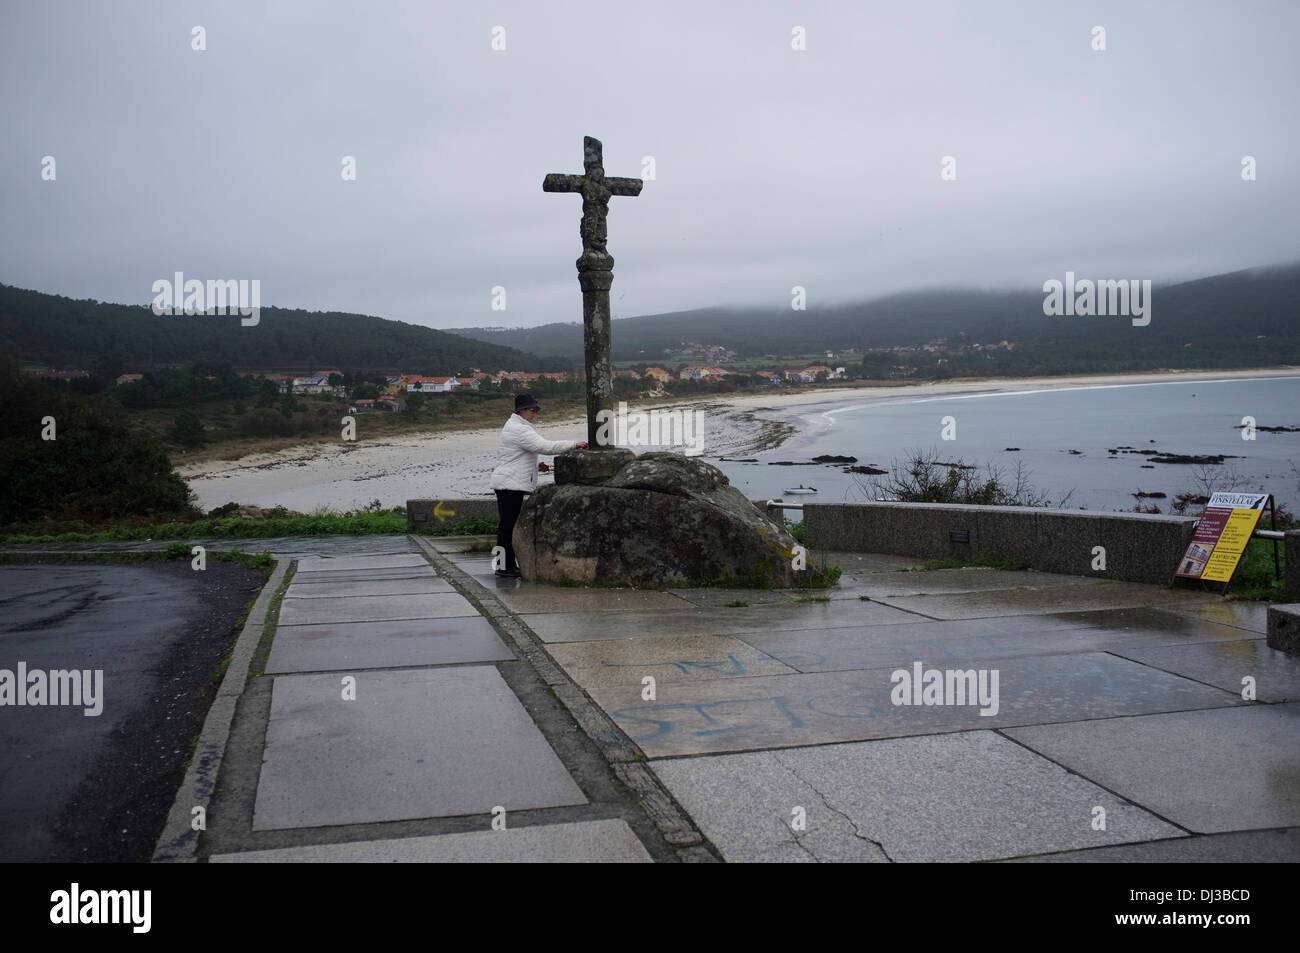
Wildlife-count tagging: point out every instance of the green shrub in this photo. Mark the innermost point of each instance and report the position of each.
(95, 469)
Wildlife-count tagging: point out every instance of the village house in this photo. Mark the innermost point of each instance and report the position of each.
(703, 373)
(517, 377)
(809, 374)
(311, 385)
(430, 385)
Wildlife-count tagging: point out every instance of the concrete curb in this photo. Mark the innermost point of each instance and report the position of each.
(178, 842)
(621, 753)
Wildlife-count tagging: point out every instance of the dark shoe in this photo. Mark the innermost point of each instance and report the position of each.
(508, 573)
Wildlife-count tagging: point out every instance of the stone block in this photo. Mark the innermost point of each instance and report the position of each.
(589, 466)
(1284, 628)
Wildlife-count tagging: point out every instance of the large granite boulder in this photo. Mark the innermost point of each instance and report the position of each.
(662, 519)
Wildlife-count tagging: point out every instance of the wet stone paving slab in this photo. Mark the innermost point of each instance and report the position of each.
(737, 714)
(764, 702)
(412, 743)
(960, 797)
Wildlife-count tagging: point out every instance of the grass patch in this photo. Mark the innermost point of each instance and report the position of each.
(320, 523)
(470, 526)
(1255, 578)
(219, 673)
(194, 745)
(270, 622)
(178, 551)
(824, 576)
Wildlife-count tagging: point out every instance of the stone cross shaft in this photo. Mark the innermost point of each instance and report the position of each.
(595, 271)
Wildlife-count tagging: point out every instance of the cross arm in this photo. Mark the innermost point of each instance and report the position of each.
(559, 182)
(618, 185)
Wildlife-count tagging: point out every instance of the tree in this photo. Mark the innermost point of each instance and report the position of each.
(268, 392)
(414, 402)
(108, 366)
(96, 468)
(188, 429)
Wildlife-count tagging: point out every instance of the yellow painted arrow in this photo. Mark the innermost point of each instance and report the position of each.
(441, 512)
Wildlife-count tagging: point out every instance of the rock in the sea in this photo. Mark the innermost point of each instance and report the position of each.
(663, 519)
(1215, 459)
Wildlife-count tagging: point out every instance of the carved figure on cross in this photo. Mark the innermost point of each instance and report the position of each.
(596, 191)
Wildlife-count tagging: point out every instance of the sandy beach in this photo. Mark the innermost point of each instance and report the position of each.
(458, 464)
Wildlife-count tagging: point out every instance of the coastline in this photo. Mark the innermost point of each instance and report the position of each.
(458, 464)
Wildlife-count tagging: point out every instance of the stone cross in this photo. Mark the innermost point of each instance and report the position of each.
(595, 271)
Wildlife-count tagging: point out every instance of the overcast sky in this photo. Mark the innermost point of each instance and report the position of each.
(774, 167)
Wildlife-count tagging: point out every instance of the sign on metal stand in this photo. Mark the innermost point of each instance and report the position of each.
(1221, 536)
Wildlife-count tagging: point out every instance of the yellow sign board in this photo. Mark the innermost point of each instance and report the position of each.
(1221, 536)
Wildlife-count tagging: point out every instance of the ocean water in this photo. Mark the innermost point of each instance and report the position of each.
(1189, 417)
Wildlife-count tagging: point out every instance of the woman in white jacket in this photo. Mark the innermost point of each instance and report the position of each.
(517, 473)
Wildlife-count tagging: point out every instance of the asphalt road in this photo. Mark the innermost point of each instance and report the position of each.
(97, 788)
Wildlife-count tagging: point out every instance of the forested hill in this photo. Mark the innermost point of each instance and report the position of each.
(1248, 318)
(67, 333)
(1242, 318)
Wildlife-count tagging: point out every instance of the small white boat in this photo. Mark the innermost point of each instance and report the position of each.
(801, 489)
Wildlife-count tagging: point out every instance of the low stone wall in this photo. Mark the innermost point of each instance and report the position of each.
(421, 514)
(1138, 547)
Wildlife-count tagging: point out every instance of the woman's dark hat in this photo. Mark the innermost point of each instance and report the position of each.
(525, 402)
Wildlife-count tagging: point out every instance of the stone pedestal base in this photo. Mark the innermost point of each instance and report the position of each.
(590, 466)
(662, 519)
